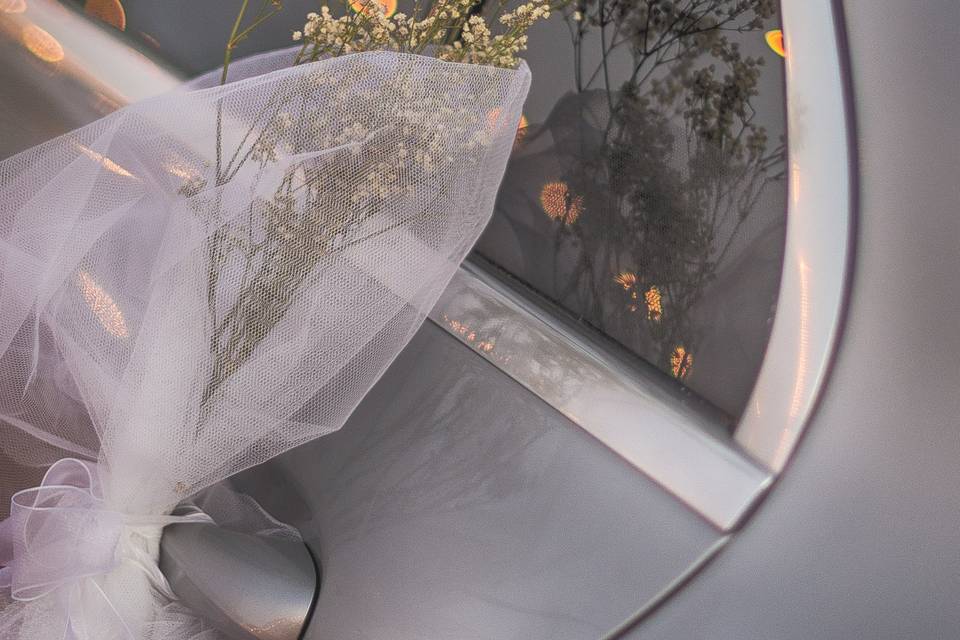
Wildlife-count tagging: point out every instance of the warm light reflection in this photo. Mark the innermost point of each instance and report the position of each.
(366, 6)
(558, 203)
(150, 40)
(775, 40)
(181, 170)
(109, 11)
(41, 44)
(681, 361)
(468, 334)
(795, 182)
(803, 341)
(493, 116)
(651, 297)
(105, 310)
(105, 104)
(626, 279)
(654, 303)
(13, 6)
(103, 160)
(521, 130)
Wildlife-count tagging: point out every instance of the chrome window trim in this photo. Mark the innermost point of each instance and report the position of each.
(819, 226)
(656, 426)
(717, 477)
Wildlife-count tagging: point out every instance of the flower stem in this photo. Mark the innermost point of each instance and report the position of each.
(232, 41)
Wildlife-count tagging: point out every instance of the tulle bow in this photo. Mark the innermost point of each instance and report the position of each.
(62, 538)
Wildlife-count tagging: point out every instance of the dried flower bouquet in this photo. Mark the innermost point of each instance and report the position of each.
(201, 281)
(297, 218)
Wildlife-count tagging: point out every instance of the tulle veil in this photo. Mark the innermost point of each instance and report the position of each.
(203, 280)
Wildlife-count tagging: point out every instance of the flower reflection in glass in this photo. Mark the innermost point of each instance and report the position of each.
(627, 280)
(681, 361)
(654, 303)
(559, 203)
(660, 158)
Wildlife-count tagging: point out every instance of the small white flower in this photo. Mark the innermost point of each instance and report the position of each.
(297, 35)
(577, 16)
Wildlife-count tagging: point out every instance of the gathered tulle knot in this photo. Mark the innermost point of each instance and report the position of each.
(61, 538)
(58, 532)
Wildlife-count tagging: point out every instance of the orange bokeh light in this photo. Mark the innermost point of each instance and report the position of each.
(104, 309)
(41, 44)
(109, 11)
(654, 303)
(468, 334)
(559, 203)
(103, 160)
(681, 361)
(494, 116)
(775, 40)
(13, 6)
(364, 6)
(521, 130)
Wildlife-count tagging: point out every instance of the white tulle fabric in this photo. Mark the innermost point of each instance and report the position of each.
(198, 282)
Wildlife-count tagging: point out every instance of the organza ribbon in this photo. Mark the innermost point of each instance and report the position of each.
(61, 537)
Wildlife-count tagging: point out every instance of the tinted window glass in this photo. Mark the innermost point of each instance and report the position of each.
(646, 193)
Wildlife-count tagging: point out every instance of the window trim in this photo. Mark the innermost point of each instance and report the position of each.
(647, 419)
(819, 238)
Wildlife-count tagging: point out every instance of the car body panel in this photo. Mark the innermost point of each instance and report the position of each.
(455, 504)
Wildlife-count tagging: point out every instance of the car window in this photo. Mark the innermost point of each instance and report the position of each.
(646, 193)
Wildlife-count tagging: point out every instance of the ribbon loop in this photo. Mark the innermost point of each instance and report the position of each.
(59, 532)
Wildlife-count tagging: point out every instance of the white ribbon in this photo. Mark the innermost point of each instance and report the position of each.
(61, 536)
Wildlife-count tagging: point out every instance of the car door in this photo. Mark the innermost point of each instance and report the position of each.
(623, 366)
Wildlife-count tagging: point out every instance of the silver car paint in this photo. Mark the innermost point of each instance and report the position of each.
(455, 504)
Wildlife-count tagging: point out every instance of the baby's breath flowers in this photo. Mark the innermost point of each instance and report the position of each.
(450, 30)
(335, 163)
